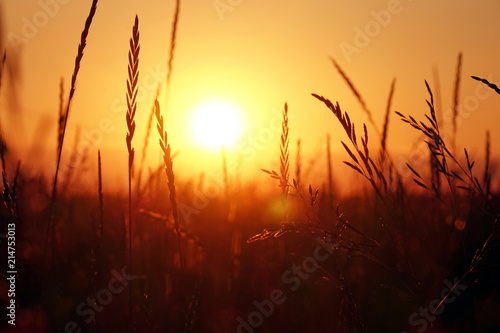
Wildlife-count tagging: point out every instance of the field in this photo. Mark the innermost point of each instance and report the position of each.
(410, 246)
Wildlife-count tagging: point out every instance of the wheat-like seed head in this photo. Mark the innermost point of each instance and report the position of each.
(78, 60)
(167, 158)
(364, 165)
(284, 153)
(132, 88)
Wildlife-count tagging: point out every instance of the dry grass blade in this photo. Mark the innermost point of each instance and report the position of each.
(383, 142)
(456, 97)
(78, 60)
(284, 153)
(491, 85)
(356, 93)
(169, 170)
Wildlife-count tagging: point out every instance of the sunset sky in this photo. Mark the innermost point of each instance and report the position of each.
(254, 55)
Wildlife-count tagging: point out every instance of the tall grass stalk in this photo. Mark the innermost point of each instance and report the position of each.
(173, 40)
(385, 128)
(78, 60)
(72, 164)
(437, 95)
(60, 122)
(3, 144)
(456, 93)
(298, 167)
(146, 138)
(3, 150)
(329, 165)
(101, 198)
(132, 89)
(330, 177)
(100, 242)
(487, 171)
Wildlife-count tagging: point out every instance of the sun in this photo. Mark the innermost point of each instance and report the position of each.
(217, 124)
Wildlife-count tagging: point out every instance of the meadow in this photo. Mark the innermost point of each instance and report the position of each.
(417, 252)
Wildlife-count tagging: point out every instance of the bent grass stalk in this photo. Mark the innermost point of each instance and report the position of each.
(169, 170)
(486, 82)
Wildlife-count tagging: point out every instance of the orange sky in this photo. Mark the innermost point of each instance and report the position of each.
(257, 54)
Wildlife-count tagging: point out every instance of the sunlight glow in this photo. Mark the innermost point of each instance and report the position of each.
(216, 124)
